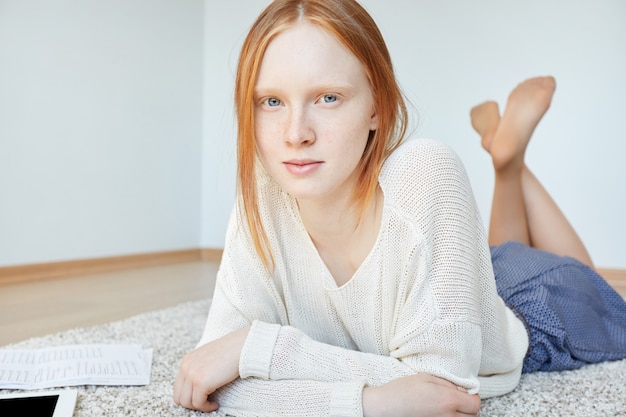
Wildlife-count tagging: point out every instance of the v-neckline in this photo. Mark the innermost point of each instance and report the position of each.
(328, 280)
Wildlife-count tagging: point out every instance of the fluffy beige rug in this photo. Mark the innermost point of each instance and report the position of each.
(594, 390)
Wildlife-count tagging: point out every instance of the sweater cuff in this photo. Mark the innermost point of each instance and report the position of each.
(346, 399)
(258, 349)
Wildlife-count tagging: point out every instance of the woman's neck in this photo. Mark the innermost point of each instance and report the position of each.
(342, 235)
(329, 220)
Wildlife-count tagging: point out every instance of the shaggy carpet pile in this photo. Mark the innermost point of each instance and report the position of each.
(594, 390)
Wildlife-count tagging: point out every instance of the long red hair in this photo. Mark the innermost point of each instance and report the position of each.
(351, 24)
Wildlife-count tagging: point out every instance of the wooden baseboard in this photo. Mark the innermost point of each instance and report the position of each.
(613, 274)
(211, 254)
(43, 271)
(64, 269)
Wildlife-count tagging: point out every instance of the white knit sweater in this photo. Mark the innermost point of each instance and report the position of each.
(424, 300)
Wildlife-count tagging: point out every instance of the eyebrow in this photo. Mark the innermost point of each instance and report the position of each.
(329, 87)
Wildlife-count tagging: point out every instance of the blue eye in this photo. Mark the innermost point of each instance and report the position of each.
(272, 102)
(329, 98)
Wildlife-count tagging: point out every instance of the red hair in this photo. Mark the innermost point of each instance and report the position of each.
(349, 23)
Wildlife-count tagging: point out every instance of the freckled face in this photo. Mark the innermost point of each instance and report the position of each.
(313, 113)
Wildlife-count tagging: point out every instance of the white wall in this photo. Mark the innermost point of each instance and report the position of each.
(111, 144)
(226, 24)
(453, 54)
(100, 128)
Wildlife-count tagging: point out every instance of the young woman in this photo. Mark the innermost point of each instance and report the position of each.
(357, 278)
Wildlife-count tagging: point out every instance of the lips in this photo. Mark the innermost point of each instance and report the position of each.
(302, 166)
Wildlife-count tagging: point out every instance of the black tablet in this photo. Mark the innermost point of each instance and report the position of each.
(39, 404)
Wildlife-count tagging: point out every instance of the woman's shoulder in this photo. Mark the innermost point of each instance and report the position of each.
(424, 177)
(419, 163)
(419, 152)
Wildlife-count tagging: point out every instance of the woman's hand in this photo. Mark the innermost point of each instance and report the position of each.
(207, 369)
(419, 395)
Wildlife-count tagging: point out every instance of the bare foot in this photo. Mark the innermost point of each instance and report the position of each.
(485, 119)
(526, 105)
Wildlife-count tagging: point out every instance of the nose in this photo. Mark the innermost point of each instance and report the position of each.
(299, 128)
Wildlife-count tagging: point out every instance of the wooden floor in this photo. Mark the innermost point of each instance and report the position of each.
(39, 308)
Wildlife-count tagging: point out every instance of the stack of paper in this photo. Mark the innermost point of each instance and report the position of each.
(74, 365)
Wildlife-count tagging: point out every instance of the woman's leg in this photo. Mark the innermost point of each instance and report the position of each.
(522, 210)
(549, 228)
(508, 209)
